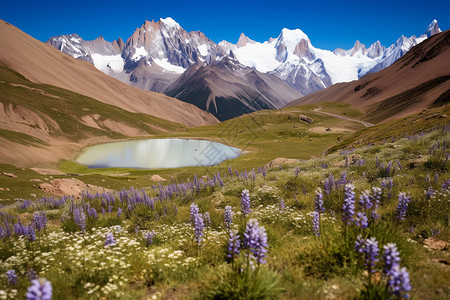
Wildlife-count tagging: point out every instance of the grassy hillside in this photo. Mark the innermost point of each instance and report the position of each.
(262, 136)
(62, 112)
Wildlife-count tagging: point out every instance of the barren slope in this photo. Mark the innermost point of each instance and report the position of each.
(408, 86)
(42, 63)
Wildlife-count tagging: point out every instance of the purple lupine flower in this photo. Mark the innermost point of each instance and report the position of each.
(264, 172)
(110, 240)
(119, 212)
(436, 177)
(31, 233)
(318, 203)
(230, 171)
(18, 228)
(194, 211)
(92, 212)
(376, 196)
(445, 186)
(402, 207)
(245, 202)
(149, 236)
(316, 223)
(234, 244)
(40, 289)
(207, 219)
(398, 282)
(228, 217)
(391, 257)
(198, 226)
(328, 184)
(343, 179)
(40, 220)
(79, 218)
(365, 201)
(361, 220)
(12, 277)
(109, 208)
(360, 244)
(398, 164)
(255, 239)
(429, 193)
(371, 253)
(297, 171)
(349, 203)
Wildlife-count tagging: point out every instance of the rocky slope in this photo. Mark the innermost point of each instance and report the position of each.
(228, 89)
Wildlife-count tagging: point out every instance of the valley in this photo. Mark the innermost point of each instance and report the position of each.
(340, 189)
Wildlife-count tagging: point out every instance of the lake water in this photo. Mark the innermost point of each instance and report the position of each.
(157, 154)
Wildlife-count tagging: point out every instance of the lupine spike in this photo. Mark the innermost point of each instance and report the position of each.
(255, 238)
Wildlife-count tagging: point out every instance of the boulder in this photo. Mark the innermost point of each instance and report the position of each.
(305, 119)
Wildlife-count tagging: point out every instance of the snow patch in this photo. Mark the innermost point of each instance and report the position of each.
(170, 22)
(108, 62)
(261, 56)
(203, 49)
(139, 53)
(165, 64)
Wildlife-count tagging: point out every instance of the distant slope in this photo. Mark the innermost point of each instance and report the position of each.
(41, 124)
(414, 82)
(42, 63)
(228, 89)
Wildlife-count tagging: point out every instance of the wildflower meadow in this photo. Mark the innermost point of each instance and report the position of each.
(347, 225)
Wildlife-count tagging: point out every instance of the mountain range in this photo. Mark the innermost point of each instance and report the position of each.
(230, 79)
(418, 80)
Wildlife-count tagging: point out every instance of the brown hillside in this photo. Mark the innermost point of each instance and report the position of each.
(42, 63)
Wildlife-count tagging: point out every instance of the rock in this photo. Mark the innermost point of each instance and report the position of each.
(35, 180)
(435, 244)
(328, 129)
(70, 187)
(305, 119)
(443, 116)
(157, 178)
(9, 174)
(277, 162)
(33, 195)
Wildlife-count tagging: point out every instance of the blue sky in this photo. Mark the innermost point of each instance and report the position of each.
(329, 24)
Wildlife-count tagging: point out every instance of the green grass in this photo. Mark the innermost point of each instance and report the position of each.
(62, 110)
(299, 265)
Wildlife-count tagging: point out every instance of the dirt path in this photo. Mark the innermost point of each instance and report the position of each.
(367, 124)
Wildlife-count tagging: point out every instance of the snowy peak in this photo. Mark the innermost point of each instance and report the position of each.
(433, 28)
(287, 42)
(375, 50)
(244, 41)
(169, 22)
(358, 47)
(302, 50)
(71, 44)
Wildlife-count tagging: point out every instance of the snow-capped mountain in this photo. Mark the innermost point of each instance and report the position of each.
(158, 53)
(293, 58)
(153, 57)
